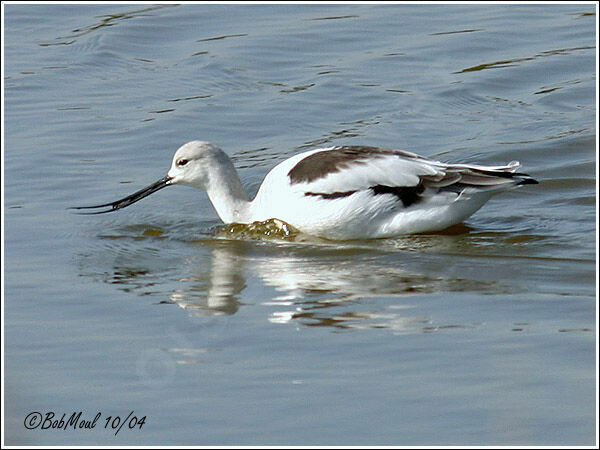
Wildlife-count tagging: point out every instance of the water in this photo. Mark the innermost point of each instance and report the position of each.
(482, 335)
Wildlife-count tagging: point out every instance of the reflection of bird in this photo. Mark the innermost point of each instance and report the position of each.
(344, 192)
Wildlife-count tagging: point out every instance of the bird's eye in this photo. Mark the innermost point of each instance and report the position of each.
(182, 162)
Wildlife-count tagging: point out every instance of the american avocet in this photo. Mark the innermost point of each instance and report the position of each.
(343, 192)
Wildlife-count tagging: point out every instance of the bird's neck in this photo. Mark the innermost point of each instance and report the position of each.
(227, 194)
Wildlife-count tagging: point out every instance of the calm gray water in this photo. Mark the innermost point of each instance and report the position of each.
(485, 335)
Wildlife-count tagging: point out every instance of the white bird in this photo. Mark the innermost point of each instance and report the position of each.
(342, 192)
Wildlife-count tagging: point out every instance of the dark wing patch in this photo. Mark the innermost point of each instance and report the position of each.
(409, 195)
(330, 196)
(320, 164)
(527, 180)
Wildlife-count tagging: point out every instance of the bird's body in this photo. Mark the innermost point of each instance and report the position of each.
(344, 192)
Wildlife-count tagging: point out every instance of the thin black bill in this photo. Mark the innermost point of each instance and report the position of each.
(126, 201)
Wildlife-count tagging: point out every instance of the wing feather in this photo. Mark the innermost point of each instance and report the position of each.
(370, 169)
(340, 171)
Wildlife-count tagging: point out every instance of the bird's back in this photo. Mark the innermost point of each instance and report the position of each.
(367, 192)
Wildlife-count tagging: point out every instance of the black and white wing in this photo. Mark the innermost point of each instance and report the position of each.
(342, 171)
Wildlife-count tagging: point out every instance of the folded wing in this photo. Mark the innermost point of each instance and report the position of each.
(342, 171)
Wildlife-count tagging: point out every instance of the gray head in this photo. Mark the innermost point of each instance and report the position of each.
(194, 164)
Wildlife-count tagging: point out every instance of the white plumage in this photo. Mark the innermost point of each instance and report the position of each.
(344, 192)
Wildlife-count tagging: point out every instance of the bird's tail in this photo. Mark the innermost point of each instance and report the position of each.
(460, 177)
